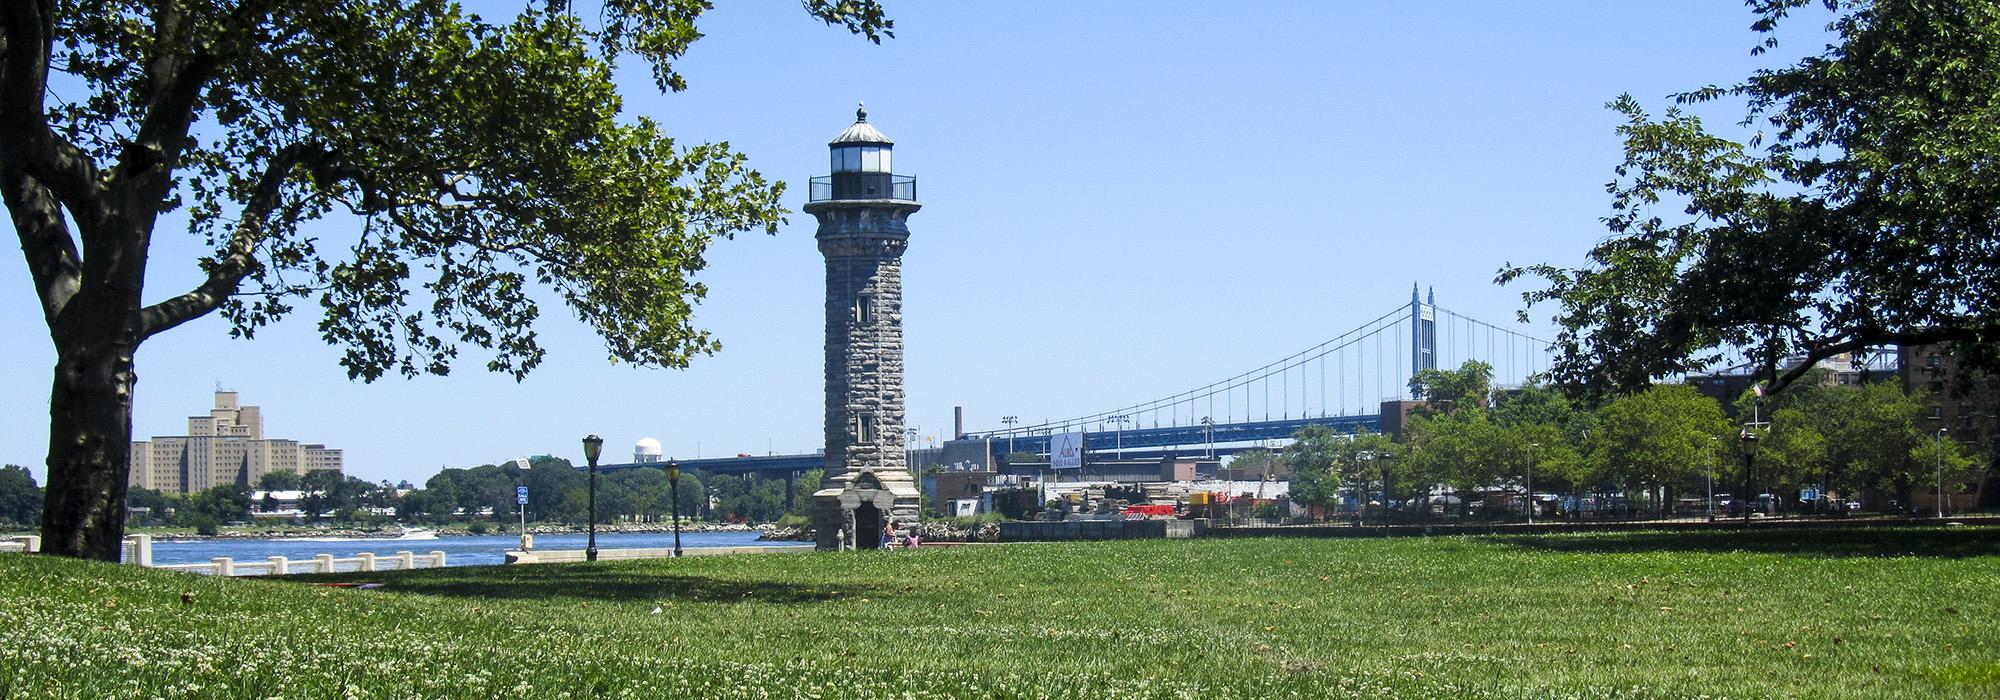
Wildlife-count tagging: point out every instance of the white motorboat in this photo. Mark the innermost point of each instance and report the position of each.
(417, 533)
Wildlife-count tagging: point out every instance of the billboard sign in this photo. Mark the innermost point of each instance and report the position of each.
(1066, 451)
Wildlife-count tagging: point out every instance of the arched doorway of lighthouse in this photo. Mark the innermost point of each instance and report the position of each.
(867, 526)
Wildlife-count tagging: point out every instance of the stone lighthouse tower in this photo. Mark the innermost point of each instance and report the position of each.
(862, 208)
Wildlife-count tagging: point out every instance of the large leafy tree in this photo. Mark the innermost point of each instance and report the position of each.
(1465, 450)
(1314, 460)
(1660, 437)
(549, 480)
(1794, 453)
(1323, 463)
(1872, 438)
(279, 481)
(1543, 425)
(473, 159)
(1862, 213)
(20, 498)
(1449, 392)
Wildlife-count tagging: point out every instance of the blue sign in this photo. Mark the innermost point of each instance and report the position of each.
(1808, 494)
(521, 495)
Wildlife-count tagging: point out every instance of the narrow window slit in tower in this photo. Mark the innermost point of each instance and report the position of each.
(864, 309)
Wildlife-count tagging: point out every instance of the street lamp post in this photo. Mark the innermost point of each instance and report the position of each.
(1534, 450)
(592, 446)
(674, 494)
(1383, 459)
(1118, 433)
(1010, 421)
(1712, 440)
(1361, 490)
(1749, 441)
(1940, 472)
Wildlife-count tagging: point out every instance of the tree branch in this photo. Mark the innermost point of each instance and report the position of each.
(26, 140)
(238, 258)
(175, 81)
(1867, 339)
(45, 240)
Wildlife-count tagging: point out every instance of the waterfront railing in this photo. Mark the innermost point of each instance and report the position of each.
(139, 551)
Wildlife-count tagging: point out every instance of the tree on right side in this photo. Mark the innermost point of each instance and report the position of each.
(20, 498)
(1864, 213)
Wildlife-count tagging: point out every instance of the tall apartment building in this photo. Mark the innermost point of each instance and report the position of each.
(227, 446)
(1961, 403)
(1965, 404)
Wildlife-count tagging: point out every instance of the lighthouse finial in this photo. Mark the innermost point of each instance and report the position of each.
(860, 112)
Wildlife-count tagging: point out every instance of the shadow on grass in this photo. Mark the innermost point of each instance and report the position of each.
(587, 582)
(1883, 542)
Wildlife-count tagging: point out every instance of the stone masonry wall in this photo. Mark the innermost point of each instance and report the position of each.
(863, 244)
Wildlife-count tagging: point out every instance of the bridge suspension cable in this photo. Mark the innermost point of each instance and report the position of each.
(1390, 362)
(1251, 384)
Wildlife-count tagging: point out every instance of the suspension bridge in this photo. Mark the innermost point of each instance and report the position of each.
(1355, 380)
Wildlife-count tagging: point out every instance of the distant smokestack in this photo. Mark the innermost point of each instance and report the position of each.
(958, 422)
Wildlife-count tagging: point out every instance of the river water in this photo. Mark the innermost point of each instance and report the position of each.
(469, 550)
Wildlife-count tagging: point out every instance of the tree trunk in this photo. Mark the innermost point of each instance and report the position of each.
(90, 434)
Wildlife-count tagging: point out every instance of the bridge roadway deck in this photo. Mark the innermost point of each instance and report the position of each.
(1190, 435)
(763, 466)
(1196, 437)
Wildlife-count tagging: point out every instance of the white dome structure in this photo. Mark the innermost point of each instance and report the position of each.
(646, 450)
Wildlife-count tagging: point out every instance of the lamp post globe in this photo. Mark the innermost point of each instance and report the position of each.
(674, 495)
(592, 447)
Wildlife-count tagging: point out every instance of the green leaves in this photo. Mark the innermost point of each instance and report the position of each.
(1657, 437)
(1864, 216)
(1450, 391)
(1322, 462)
(473, 158)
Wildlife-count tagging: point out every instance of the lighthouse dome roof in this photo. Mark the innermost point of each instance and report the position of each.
(861, 131)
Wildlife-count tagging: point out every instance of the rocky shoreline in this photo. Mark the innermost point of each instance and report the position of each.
(928, 532)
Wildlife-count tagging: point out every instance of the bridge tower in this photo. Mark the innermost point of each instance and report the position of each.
(1423, 332)
(863, 207)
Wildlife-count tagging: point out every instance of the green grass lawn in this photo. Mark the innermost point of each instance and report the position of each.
(1834, 613)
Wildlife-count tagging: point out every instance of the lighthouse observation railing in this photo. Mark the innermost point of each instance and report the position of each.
(863, 186)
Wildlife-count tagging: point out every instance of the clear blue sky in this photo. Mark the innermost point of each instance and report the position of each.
(1121, 200)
